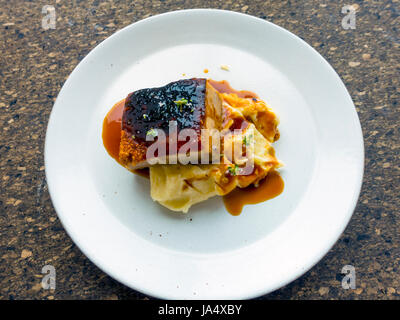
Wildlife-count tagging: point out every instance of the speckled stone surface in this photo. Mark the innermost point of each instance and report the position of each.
(34, 63)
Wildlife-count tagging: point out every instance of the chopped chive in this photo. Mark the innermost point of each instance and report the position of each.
(247, 140)
(233, 170)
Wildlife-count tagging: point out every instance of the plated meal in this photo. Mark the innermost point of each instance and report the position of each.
(194, 139)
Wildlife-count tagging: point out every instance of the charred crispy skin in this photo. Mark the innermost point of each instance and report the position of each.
(192, 103)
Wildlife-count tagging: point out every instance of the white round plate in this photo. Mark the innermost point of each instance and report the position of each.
(208, 253)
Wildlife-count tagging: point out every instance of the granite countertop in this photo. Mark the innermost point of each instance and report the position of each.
(35, 63)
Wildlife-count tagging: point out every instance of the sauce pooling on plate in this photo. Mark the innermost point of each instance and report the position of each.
(268, 188)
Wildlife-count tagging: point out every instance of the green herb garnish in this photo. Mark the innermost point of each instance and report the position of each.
(181, 102)
(152, 132)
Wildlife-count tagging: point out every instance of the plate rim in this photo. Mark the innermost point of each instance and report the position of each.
(309, 264)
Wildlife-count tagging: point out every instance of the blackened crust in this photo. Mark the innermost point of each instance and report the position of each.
(154, 108)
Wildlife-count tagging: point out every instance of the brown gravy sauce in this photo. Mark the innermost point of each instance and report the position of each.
(112, 129)
(268, 188)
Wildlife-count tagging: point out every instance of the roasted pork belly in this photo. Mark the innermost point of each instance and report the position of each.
(189, 103)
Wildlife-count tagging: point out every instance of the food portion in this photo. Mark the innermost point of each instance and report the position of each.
(200, 138)
(191, 103)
